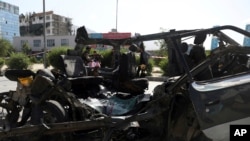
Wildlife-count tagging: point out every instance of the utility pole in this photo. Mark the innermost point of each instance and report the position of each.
(116, 15)
(44, 37)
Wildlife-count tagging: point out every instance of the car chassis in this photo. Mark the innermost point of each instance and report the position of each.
(182, 108)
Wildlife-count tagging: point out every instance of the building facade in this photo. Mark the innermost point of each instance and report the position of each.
(214, 41)
(36, 43)
(31, 24)
(9, 21)
(246, 41)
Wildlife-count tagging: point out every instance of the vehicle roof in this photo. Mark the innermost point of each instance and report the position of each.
(172, 34)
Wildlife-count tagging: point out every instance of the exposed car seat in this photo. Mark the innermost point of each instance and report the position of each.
(82, 84)
(127, 72)
(197, 54)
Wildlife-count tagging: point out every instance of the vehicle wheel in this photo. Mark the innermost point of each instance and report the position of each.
(53, 112)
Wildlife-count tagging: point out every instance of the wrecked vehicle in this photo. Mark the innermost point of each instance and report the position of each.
(121, 76)
(197, 104)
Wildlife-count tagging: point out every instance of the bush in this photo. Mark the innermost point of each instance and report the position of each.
(54, 58)
(5, 48)
(164, 66)
(151, 63)
(18, 61)
(107, 58)
(33, 59)
(158, 60)
(1, 62)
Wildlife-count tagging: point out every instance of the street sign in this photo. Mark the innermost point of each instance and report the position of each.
(116, 35)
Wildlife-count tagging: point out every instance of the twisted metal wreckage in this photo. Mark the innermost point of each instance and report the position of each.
(195, 105)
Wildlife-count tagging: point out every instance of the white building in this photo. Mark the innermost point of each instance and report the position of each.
(36, 43)
(32, 24)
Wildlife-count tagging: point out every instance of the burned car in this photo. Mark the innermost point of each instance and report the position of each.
(207, 98)
(199, 103)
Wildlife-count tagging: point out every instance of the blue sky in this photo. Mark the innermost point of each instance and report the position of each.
(145, 16)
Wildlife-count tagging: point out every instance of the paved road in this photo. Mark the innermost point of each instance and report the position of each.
(6, 85)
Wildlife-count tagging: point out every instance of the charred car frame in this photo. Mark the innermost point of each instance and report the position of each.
(187, 107)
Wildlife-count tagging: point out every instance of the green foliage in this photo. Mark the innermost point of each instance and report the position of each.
(161, 43)
(54, 58)
(164, 66)
(157, 61)
(5, 48)
(1, 62)
(26, 49)
(161, 52)
(123, 50)
(18, 61)
(151, 63)
(33, 59)
(208, 52)
(107, 58)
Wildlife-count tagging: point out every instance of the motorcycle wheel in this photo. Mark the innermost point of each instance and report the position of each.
(53, 112)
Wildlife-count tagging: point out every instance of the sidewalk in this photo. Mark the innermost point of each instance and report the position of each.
(35, 67)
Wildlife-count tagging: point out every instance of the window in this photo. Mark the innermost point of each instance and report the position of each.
(64, 42)
(37, 43)
(47, 17)
(50, 42)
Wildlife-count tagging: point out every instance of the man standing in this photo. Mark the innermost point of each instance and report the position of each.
(85, 55)
(144, 56)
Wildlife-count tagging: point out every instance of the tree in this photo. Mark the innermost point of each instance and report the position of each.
(18, 61)
(5, 48)
(26, 49)
(162, 45)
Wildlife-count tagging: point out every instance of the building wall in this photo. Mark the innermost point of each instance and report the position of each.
(246, 41)
(9, 21)
(37, 44)
(214, 41)
(32, 24)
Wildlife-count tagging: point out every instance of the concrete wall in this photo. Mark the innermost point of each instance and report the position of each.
(19, 41)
